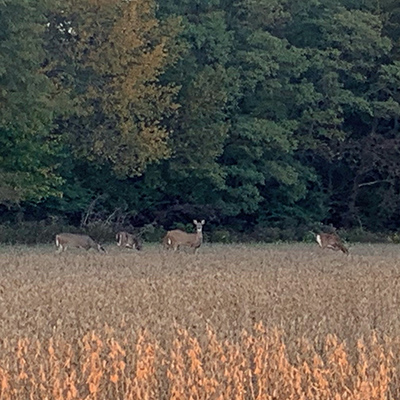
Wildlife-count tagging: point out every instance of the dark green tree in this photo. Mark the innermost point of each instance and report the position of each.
(29, 102)
(351, 128)
(187, 183)
(262, 173)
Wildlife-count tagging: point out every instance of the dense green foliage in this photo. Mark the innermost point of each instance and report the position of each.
(29, 104)
(252, 114)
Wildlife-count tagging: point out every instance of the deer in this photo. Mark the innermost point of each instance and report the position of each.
(65, 240)
(176, 238)
(125, 239)
(331, 241)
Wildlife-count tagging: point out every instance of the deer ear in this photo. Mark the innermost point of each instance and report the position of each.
(195, 221)
(203, 222)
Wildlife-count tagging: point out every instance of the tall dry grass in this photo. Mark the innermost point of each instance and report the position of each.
(234, 322)
(254, 366)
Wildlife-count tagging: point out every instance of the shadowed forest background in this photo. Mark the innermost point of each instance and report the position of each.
(267, 118)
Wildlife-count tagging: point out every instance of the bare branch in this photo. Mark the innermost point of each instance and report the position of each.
(373, 182)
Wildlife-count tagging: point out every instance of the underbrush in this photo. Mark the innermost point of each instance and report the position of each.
(36, 232)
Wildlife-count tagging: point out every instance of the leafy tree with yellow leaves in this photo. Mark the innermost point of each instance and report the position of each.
(109, 55)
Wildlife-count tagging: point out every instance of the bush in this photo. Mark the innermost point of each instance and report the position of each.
(100, 232)
(220, 236)
(362, 236)
(152, 233)
(264, 233)
(37, 232)
(32, 232)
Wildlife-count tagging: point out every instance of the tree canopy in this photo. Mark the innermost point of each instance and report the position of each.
(248, 113)
(29, 104)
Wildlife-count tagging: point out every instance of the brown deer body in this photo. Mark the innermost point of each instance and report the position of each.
(65, 240)
(331, 241)
(125, 239)
(176, 238)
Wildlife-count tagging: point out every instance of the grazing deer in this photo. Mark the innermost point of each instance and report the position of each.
(176, 238)
(65, 240)
(331, 241)
(125, 239)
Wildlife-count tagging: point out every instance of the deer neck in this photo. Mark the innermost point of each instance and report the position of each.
(199, 237)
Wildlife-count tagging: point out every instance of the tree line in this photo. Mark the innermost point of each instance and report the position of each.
(250, 114)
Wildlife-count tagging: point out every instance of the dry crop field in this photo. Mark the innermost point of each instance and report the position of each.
(284, 321)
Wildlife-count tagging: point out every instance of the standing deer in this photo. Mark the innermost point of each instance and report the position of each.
(331, 241)
(125, 239)
(176, 238)
(65, 240)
